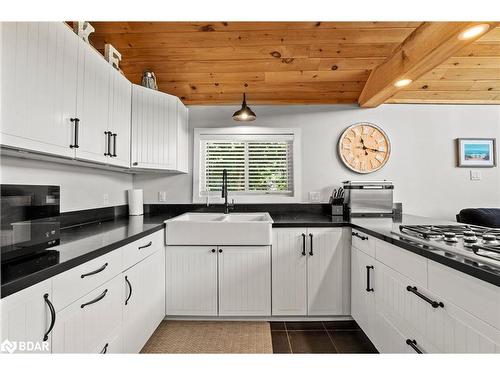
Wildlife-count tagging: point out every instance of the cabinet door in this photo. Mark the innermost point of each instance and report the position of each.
(26, 318)
(39, 86)
(154, 290)
(183, 138)
(120, 102)
(363, 291)
(88, 324)
(134, 309)
(289, 276)
(93, 104)
(191, 280)
(154, 129)
(244, 281)
(328, 272)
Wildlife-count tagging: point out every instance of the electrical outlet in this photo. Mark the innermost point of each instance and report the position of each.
(475, 175)
(105, 199)
(162, 196)
(314, 196)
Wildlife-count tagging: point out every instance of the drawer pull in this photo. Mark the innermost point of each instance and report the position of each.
(105, 349)
(96, 271)
(130, 288)
(147, 245)
(368, 287)
(414, 290)
(103, 294)
(413, 344)
(356, 234)
(52, 316)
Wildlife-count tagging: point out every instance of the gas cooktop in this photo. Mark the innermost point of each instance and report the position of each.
(479, 244)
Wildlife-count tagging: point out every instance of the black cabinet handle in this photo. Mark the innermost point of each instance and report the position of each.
(311, 243)
(413, 344)
(108, 143)
(130, 288)
(76, 122)
(103, 294)
(147, 245)
(114, 145)
(96, 271)
(52, 316)
(303, 244)
(220, 250)
(105, 349)
(213, 250)
(414, 290)
(368, 288)
(356, 234)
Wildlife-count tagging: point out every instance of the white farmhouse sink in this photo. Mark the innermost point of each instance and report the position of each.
(236, 229)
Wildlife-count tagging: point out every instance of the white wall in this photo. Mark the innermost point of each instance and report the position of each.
(81, 187)
(422, 164)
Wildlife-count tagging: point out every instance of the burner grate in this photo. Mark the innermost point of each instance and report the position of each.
(438, 231)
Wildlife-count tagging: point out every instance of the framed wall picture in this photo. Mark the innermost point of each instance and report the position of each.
(476, 152)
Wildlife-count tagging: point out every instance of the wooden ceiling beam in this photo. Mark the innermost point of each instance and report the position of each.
(431, 44)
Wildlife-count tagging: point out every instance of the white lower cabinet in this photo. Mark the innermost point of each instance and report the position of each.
(26, 318)
(224, 281)
(191, 279)
(88, 324)
(244, 281)
(363, 290)
(310, 272)
(143, 301)
(402, 315)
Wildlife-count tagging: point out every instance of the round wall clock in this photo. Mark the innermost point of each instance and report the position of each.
(364, 147)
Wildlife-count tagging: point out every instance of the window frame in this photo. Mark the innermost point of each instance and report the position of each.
(273, 197)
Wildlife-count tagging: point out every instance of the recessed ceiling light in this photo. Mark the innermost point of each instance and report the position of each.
(403, 82)
(474, 31)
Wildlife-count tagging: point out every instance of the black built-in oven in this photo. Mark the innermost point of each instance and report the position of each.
(29, 220)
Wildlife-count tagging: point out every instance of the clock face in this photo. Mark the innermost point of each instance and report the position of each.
(364, 147)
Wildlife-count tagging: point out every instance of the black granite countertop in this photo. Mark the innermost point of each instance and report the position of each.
(79, 244)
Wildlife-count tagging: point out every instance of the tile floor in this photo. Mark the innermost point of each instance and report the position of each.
(320, 337)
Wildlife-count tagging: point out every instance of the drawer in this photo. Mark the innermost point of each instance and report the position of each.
(477, 297)
(113, 344)
(138, 250)
(363, 242)
(73, 284)
(406, 263)
(89, 323)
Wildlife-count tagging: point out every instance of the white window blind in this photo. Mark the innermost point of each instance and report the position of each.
(256, 164)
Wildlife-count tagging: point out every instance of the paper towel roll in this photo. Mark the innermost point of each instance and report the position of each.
(135, 202)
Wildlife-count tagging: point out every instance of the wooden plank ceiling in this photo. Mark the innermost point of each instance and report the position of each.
(291, 62)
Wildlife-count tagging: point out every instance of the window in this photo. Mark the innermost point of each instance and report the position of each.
(258, 165)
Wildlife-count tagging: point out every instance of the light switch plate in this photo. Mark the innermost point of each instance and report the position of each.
(475, 175)
(105, 199)
(162, 196)
(314, 196)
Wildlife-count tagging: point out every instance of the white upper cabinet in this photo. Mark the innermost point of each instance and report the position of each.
(159, 131)
(39, 86)
(93, 105)
(120, 106)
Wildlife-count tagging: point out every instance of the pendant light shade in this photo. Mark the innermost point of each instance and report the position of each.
(245, 113)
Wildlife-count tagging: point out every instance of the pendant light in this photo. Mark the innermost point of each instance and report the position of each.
(245, 113)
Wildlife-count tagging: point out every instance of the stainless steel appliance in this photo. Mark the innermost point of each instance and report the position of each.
(479, 245)
(29, 219)
(369, 198)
